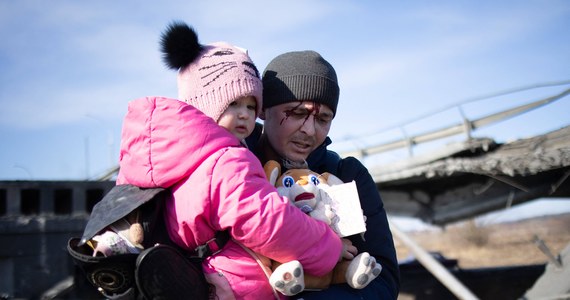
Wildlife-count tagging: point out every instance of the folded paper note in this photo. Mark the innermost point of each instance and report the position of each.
(345, 202)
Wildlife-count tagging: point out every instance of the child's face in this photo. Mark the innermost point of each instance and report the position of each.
(239, 117)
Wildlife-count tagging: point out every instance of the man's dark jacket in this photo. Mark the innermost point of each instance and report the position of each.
(378, 238)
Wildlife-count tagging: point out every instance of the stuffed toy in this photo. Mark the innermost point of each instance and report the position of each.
(123, 236)
(304, 189)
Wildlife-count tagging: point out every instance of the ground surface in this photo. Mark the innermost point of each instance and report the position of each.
(480, 245)
(507, 244)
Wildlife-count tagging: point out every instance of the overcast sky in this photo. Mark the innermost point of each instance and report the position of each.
(69, 68)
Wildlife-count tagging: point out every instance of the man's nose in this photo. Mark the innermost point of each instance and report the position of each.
(308, 126)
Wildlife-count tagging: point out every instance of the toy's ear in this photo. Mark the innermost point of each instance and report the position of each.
(272, 171)
(331, 179)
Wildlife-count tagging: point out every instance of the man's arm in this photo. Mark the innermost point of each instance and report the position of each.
(378, 237)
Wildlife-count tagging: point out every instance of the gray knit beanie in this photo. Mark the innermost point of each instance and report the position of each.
(298, 76)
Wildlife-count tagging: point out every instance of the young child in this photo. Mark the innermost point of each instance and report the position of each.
(218, 79)
(239, 117)
(217, 184)
(235, 111)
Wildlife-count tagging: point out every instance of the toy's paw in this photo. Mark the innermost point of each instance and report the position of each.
(331, 215)
(329, 211)
(362, 270)
(335, 225)
(288, 278)
(335, 220)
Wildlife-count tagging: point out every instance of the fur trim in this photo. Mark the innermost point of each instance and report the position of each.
(179, 45)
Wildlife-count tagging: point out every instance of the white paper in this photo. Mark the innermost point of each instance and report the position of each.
(345, 202)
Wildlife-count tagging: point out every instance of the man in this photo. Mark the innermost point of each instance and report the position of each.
(300, 97)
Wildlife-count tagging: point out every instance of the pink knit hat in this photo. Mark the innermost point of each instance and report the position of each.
(210, 77)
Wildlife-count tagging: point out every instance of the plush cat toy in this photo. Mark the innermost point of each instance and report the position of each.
(124, 236)
(303, 188)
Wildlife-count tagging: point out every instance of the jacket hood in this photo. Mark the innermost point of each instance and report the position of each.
(164, 140)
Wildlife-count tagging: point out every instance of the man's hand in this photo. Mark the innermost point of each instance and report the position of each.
(348, 250)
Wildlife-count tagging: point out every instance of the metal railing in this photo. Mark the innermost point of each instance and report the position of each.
(466, 127)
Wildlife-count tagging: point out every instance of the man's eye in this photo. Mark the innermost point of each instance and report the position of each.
(299, 114)
(323, 119)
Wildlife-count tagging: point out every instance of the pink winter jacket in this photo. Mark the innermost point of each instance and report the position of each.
(218, 184)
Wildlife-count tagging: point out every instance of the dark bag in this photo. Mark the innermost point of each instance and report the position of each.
(162, 270)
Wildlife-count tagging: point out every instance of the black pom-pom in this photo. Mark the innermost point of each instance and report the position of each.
(179, 45)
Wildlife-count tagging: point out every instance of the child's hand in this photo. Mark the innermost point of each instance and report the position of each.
(348, 250)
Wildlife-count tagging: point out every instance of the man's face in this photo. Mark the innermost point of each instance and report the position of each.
(295, 129)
